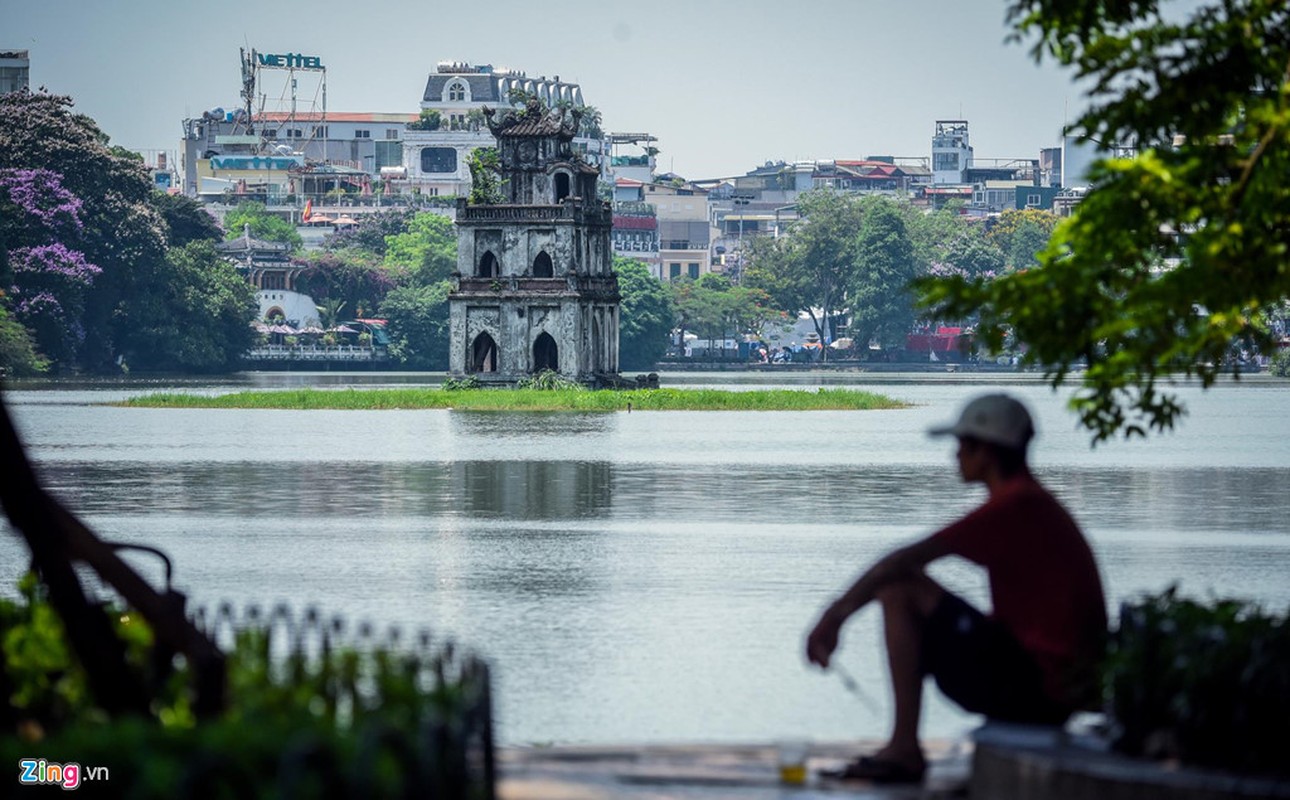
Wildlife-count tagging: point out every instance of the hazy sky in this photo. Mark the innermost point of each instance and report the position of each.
(725, 85)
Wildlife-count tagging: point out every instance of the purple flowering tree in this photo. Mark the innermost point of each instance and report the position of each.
(43, 278)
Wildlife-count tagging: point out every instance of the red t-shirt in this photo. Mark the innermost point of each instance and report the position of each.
(1044, 583)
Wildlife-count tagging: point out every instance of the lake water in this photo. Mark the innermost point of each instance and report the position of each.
(643, 577)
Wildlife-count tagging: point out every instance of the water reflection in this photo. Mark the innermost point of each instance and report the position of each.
(1197, 500)
(539, 490)
(527, 424)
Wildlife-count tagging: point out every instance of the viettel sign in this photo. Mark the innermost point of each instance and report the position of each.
(289, 61)
(257, 162)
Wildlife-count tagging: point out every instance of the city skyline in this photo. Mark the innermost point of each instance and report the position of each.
(724, 86)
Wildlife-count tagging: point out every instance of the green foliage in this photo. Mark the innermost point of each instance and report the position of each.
(1176, 254)
(377, 718)
(47, 686)
(371, 233)
(1206, 683)
(1280, 365)
(18, 353)
(646, 315)
(429, 120)
(714, 308)
(426, 250)
(531, 400)
(848, 253)
(253, 216)
(485, 177)
(812, 268)
(123, 234)
(974, 255)
(186, 219)
(197, 316)
(882, 306)
(418, 325)
(461, 384)
(548, 380)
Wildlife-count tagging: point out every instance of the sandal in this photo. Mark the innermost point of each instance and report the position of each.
(875, 770)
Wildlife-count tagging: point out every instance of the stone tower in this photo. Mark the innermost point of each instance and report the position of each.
(535, 288)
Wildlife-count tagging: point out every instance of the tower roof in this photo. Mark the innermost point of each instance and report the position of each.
(534, 120)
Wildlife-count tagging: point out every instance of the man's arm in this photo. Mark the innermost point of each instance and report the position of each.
(897, 564)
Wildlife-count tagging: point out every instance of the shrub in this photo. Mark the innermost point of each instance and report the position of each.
(313, 708)
(548, 380)
(1280, 365)
(1207, 684)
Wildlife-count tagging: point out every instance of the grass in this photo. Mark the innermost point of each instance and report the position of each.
(530, 400)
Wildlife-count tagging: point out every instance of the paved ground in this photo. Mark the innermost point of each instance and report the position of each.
(723, 772)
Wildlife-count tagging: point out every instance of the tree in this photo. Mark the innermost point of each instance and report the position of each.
(186, 219)
(714, 308)
(812, 267)
(353, 275)
(418, 325)
(646, 316)
(199, 319)
(1021, 233)
(426, 250)
(252, 216)
(934, 233)
(429, 120)
(371, 233)
(974, 254)
(18, 353)
(121, 234)
(882, 305)
(485, 176)
(44, 279)
(1177, 253)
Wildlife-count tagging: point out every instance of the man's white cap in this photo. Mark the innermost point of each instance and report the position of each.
(994, 418)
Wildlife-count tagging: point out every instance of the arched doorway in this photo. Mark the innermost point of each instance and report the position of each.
(542, 266)
(545, 354)
(483, 354)
(561, 186)
(488, 267)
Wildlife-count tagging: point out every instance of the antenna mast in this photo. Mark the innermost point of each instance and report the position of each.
(248, 86)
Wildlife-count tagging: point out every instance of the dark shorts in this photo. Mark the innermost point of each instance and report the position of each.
(980, 665)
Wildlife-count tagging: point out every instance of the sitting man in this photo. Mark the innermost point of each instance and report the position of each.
(1034, 658)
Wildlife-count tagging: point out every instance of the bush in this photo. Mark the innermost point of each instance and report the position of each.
(312, 709)
(548, 380)
(1207, 684)
(1280, 365)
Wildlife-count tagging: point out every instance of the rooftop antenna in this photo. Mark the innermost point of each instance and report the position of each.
(248, 86)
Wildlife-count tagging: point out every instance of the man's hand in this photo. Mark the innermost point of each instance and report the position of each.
(823, 639)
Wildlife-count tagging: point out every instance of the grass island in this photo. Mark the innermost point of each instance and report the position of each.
(529, 400)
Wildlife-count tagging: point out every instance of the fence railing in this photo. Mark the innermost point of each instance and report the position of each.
(278, 352)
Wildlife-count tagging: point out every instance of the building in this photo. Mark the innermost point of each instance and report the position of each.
(535, 288)
(951, 152)
(271, 156)
(635, 233)
(459, 91)
(684, 228)
(436, 160)
(437, 163)
(15, 71)
(268, 267)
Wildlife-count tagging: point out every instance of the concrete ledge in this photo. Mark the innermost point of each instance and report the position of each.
(1014, 762)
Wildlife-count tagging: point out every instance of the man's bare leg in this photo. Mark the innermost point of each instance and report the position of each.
(906, 605)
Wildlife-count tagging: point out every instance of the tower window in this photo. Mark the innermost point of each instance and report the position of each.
(542, 266)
